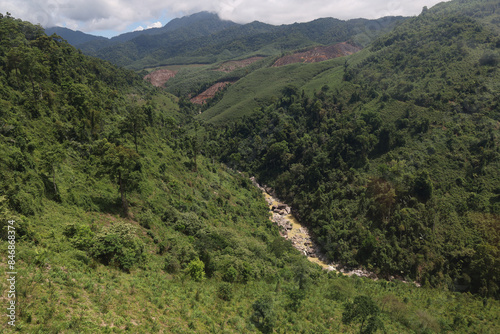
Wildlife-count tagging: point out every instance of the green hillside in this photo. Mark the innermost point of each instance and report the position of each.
(204, 38)
(126, 220)
(391, 155)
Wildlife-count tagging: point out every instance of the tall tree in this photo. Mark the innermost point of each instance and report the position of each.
(363, 310)
(134, 123)
(123, 166)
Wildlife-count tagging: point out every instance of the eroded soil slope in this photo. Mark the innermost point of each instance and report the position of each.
(318, 54)
(158, 78)
(209, 93)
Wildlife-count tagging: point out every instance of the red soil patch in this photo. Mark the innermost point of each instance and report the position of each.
(318, 54)
(232, 65)
(209, 93)
(158, 78)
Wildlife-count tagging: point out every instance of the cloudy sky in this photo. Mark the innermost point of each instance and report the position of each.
(112, 17)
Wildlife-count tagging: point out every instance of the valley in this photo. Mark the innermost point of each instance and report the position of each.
(301, 239)
(132, 167)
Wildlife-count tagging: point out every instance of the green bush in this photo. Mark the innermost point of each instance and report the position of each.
(188, 223)
(225, 291)
(80, 235)
(264, 314)
(230, 274)
(117, 245)
(172, 264)
(146, 218)
(196, 270)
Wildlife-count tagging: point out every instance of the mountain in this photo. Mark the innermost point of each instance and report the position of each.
(205, 38)
(192, 26)
(202, 21)
(128, 209)
(75, 38)
(391, 155)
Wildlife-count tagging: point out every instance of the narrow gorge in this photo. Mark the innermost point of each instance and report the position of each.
(299, 235)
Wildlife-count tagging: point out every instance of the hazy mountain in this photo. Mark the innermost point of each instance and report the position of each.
(73, 37)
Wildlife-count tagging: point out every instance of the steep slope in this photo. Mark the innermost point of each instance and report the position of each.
(158, 78)
(390, 156)
(122, 225)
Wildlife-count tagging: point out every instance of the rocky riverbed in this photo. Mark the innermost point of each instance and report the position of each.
(291, 229)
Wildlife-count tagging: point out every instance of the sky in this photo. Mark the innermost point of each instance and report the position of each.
(112, 17)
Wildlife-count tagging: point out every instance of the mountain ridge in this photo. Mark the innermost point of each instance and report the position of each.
(202, 37)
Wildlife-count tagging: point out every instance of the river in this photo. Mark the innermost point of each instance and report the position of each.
(291, 229)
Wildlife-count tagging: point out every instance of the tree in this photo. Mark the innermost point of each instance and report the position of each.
(193, 151)
(278, 155)
(122, 165)
(134, 123)
(383, 196)
(486, 273)
(51, 159)
(117, 245)
(264, 313)
(363, 310)
(296, 297)
(422, 187)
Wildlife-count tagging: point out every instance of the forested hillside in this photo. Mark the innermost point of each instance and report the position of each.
(205, 38)
(127, 221)
(394, 158)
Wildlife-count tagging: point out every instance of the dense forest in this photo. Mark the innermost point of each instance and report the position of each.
(395, 167)
(135, 213)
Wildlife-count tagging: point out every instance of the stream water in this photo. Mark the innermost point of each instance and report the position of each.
(294, 231)
(291, 229)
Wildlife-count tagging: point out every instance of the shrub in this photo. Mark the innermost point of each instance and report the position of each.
(489, 58)
(80, 235)
(188, 223)
(230, 274)
(264, 314)
(172, 264)
(117, 245)
(225, 291)
(146, 218)
(196, 269)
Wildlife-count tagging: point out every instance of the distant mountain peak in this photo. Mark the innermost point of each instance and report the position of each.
(73, 37)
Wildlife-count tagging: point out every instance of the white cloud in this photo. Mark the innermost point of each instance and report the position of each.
(118, 15)
(149, 26)
(155, 25)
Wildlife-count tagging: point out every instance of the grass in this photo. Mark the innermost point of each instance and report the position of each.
(249, 93)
